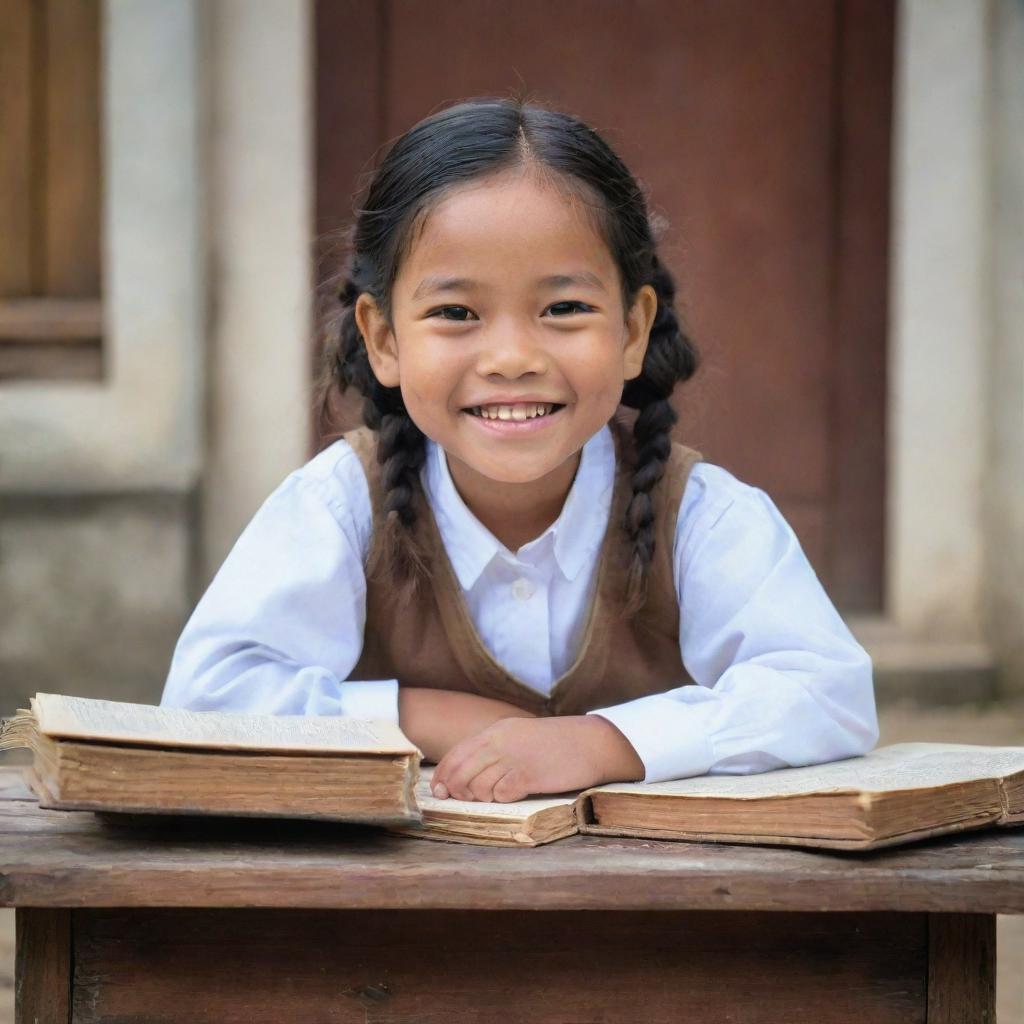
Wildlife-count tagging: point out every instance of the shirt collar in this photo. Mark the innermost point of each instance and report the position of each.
(575, 534)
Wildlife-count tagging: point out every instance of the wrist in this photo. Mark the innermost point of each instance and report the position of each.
(617, 759)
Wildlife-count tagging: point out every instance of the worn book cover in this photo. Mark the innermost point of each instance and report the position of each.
(115, 756)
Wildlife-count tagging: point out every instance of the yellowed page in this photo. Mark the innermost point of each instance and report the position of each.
(523, 823)
(147, 725)
(519, 811)
(903, 766)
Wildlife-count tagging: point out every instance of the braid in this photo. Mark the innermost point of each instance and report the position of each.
(670, 357)
(401, 446)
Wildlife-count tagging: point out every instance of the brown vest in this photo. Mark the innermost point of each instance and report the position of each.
(432, 642)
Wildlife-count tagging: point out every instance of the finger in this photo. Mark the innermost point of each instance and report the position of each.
(448, 763)
(482, 785)
(459, 779)
(510, 788)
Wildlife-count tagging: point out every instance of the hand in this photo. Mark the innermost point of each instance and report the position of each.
(514, 758)
(437, 720)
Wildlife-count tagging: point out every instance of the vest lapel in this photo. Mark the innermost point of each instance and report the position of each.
(472, 654)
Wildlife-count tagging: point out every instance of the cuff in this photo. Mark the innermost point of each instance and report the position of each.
(375, 699)
(670, 738)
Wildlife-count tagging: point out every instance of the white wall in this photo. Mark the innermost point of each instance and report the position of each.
(261, 171)
(956, 444)
(1005, 520)
(941, 324)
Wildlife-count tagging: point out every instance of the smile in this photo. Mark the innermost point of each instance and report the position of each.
(514, 420)
(519, 412)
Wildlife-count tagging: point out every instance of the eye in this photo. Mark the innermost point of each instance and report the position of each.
(458, 313)
(569, 306)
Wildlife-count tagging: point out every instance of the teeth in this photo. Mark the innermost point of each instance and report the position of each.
(526, 411)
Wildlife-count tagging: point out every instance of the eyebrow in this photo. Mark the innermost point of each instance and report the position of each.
(432, 285)
(584, 277)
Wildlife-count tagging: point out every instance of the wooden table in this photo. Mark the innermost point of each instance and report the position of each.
(170, 919)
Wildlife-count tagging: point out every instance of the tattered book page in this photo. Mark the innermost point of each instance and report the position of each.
(903, 766)
(521, 810)
(147, 725)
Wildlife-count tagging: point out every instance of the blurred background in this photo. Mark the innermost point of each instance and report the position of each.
(841, 188)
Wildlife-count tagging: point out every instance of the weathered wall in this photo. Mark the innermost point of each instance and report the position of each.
(259, 71)
(94, 593)
(940, 326)
(119, 499)
(1005, 519)
(97, 478)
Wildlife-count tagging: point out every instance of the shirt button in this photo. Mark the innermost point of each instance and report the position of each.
(522, 590)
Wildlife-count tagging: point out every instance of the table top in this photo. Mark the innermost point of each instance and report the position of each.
(81, 859)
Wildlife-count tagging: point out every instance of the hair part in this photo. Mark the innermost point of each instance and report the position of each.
(458, 145)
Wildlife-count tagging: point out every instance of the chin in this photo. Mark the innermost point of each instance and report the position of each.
(510, 475)
(522, 470)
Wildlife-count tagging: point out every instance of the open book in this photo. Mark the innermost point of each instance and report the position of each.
(890, 796)
(102, 755)
(110, 756)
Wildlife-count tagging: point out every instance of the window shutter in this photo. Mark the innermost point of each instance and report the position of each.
(50, 188)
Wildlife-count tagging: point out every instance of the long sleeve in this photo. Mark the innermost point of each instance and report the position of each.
(281, 625)
(781, 680)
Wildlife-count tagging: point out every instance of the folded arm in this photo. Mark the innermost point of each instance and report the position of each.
(782, 682)
(281, 626)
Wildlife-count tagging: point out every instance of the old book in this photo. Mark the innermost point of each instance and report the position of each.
(112, 756)
(890, 796)
(528, 822)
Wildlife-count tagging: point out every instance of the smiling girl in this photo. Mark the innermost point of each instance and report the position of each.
(512, 558)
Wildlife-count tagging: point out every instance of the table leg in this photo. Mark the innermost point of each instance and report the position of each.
(961, 968)
(42, 966)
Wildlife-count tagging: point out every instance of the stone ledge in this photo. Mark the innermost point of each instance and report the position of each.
(931, 672)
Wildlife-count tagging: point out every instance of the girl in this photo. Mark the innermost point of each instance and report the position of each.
(528, 583)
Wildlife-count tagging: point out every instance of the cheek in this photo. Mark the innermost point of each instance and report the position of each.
(600, 371)
(427, 376)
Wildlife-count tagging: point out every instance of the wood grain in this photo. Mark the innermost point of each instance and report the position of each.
(16, 147)
(461, 967)
(71, 128)
(961, 969)
(42, 971)
(856, 507)
(78, 859)
(349, 132)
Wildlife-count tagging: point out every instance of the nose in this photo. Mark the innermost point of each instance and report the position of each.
(511, 349)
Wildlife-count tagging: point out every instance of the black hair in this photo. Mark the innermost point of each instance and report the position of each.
(453, 147)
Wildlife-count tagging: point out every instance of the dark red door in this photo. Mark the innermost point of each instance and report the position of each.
(761, 131)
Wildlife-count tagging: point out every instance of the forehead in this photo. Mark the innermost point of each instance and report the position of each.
(510, 225)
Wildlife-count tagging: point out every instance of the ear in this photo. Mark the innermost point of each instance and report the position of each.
(639, 321)
(379, 338)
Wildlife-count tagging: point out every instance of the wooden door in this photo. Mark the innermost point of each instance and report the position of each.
(761, 132)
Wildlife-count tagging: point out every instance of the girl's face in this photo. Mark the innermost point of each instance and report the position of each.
(508, 336)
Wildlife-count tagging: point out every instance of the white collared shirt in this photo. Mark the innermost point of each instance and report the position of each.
(781, 679)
